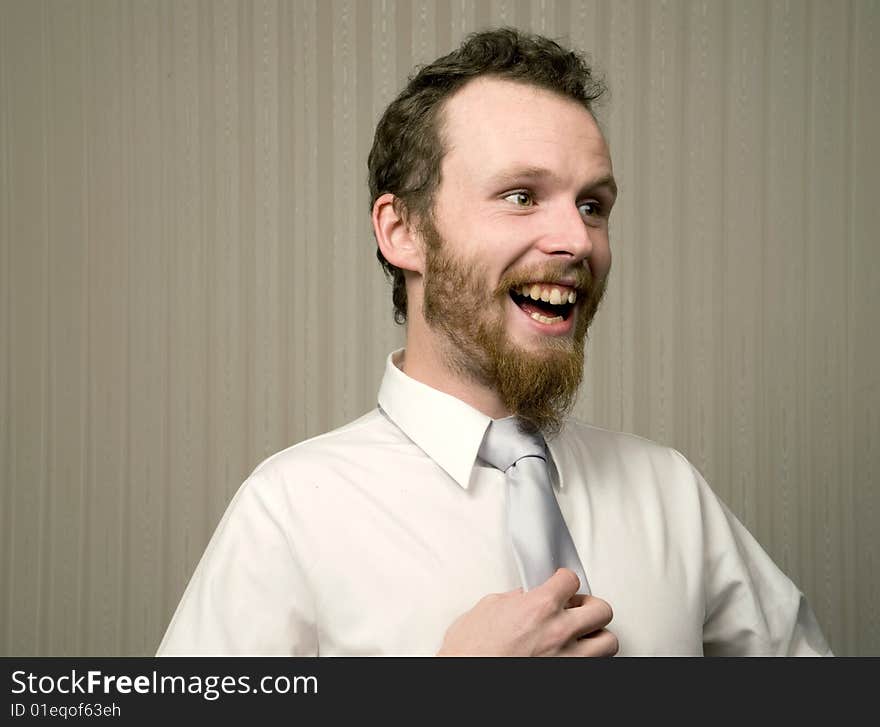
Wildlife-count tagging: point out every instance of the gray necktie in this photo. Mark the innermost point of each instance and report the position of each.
(541, 540)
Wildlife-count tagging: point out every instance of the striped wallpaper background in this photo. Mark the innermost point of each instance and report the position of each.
(188, 280)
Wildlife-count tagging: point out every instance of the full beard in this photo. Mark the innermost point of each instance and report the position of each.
(538, 385)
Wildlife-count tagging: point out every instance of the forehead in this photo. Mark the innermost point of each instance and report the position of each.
(493, 124)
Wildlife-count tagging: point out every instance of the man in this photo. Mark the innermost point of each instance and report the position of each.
(400, 533)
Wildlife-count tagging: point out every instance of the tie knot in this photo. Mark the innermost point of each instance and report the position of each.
(504, 444)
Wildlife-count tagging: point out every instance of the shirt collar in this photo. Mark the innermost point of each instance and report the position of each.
(449, 431)
(555, 452)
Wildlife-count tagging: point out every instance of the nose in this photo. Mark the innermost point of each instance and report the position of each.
(567, 235)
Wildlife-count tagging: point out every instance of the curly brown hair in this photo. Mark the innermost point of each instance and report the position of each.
(408, 148)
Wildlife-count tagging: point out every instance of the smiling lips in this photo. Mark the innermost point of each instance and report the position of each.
(543, 302)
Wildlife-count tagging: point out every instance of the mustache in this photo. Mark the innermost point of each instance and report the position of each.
(580, 278)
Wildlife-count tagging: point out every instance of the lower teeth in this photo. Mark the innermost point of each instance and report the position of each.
(544, 319)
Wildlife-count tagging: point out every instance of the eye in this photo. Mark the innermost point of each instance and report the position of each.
(590, 208)
(520, 198)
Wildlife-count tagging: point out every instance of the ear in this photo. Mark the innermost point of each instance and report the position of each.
(397, 240)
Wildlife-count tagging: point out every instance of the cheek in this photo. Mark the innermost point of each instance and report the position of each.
(600, 258)
(603, 266)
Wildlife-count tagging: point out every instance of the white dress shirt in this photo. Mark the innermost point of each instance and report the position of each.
(375, 537)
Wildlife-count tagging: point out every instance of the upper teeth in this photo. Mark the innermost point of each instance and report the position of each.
(548, 294)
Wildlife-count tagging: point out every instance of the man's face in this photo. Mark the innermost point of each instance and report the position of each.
(517, 250)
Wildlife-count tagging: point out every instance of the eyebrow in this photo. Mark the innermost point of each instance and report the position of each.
(516, 174)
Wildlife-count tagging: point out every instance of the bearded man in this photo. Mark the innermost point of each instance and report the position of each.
(408, 531)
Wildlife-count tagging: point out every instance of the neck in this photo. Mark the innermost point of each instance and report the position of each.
(424, 361)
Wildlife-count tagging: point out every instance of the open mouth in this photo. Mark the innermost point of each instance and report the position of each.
(543, 302)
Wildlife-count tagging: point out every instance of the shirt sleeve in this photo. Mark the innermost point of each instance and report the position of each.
(752, 607)
(249, 594)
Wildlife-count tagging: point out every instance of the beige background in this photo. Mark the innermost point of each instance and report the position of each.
(189, 283)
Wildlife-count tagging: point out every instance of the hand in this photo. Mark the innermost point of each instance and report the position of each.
(550, 620)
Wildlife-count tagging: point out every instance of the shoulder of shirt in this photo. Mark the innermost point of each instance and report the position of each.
(576, 430)
(365, 433)
(578, 435)
(632, 466)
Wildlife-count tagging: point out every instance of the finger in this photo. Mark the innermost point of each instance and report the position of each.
(593, 614)
(599, 643)
(576, 600)
(562, 585)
